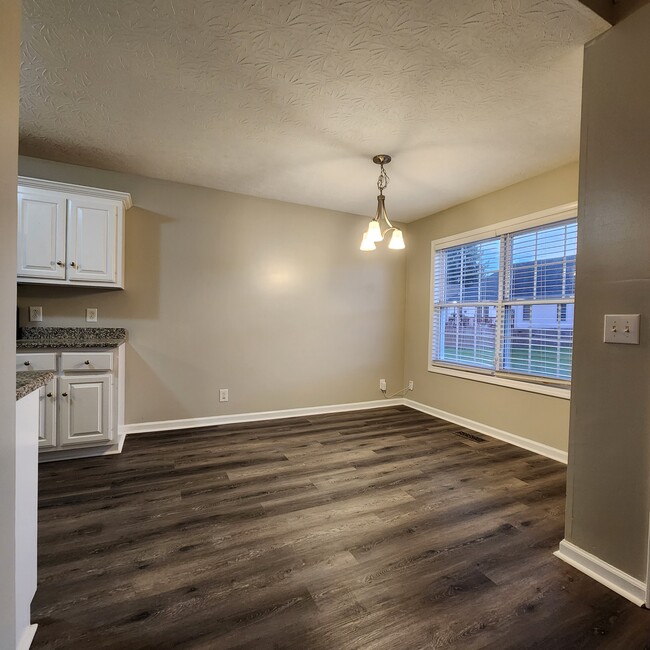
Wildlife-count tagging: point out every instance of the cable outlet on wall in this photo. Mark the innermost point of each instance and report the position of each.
(91, 315)
(411, 385)
(35, 314)
(223, 394)
(382, 384)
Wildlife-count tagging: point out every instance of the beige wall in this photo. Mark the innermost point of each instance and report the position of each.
(537, 417)
(608, 479)
(9, 49)
(271, 300)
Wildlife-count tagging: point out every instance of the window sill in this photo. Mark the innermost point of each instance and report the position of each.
(528, 386)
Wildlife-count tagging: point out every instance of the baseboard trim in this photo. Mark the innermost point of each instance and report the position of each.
(215, 420)
(27, 637)
(237, 418)
(81, 452)
(622, 583)
(513, 439)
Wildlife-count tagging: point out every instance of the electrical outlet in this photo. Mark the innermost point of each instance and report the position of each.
(411, 385)
(91, 315)
(223, 394)
(382, 384)
(35, 314)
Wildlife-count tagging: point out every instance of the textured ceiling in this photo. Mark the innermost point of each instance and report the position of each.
(289, 99)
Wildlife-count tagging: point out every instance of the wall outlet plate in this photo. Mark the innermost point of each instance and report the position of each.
(382, 384)
(223, 394)
(91, 315)
(622, 328)
(35, 314)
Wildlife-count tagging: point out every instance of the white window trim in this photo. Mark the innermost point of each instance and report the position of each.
(534, 220)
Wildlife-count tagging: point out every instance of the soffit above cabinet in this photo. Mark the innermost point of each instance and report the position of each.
(290, 100)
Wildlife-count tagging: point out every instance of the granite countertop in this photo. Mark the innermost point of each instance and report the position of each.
(46, 338)
(27, 382)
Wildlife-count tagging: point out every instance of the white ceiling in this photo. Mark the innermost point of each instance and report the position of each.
(290, 99)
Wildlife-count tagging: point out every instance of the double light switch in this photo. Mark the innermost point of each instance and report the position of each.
(622, 328)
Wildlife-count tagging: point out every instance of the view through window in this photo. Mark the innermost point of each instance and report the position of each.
(505, 303)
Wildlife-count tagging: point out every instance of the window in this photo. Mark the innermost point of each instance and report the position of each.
(503, 300)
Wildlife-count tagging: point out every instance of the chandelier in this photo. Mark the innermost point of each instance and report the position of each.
(375, 233)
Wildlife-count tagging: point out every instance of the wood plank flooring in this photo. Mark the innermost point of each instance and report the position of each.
(369, 530)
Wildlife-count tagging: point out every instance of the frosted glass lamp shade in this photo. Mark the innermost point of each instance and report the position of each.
(366, 243)
(396, 240)
(374, 231)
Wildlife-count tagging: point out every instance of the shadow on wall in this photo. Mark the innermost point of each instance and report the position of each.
(146, 385)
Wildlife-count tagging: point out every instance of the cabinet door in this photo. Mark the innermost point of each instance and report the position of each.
(47, 399)
(92, 240)
(84, 407)
(41, 235)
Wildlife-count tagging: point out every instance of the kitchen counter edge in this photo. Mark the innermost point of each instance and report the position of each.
(29, 381)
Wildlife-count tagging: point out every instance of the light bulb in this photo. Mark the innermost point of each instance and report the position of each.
(396, 240)
(374, 231)
(366, 243)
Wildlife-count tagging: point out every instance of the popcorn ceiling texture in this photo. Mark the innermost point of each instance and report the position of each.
(289, 99)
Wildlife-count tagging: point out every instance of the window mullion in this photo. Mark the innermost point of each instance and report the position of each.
(504, 292)
(535, 266)
(564, 262)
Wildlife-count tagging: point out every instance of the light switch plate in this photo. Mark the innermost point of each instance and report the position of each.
(622, 328)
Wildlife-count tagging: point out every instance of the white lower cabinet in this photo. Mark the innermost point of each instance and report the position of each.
(79, 410)
(47, 400)
(85, 410)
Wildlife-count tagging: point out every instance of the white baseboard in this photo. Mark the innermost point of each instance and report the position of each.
(518, 441)
(215, 420)
(26, 639)
(82, 452)
(608, 575)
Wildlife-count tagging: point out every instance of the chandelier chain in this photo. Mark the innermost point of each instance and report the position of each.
(382, 181)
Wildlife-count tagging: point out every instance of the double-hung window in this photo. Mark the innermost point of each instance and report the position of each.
(503, 300)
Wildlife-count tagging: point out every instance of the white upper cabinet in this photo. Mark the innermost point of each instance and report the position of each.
(70, 234)
(93, 240)
(41, 235)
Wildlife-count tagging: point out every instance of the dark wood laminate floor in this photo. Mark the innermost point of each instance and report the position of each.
(376, 530)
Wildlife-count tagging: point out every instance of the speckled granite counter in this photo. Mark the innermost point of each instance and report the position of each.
(49, 338)
(27, 382)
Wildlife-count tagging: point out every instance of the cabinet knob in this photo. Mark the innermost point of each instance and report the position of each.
(87, 362)
(27, 363)
(73, 264)
(64, 394)
(49, 394)
(60, 263)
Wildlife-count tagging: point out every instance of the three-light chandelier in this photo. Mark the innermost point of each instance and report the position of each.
(375, 233)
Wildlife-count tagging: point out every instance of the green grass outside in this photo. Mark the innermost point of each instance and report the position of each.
(534, 361)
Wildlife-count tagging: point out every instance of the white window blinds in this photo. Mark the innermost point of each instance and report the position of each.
(504, 304)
